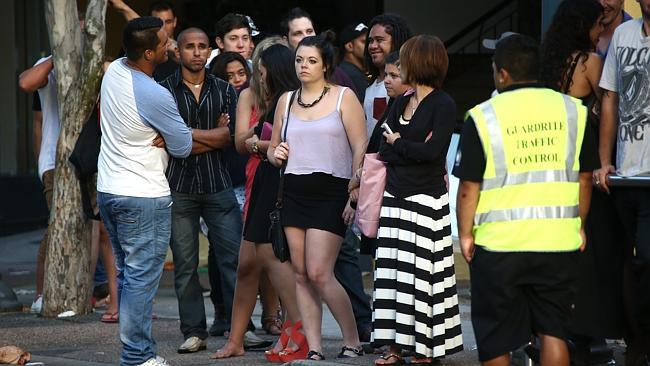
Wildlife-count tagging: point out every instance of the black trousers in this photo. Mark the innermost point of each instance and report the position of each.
(633, 206)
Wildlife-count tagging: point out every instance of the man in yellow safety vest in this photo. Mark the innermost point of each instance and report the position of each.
(525, 185)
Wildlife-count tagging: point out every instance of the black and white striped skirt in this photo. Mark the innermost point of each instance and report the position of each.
(415, 299)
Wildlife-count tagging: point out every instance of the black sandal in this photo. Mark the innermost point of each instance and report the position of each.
(315, 356)
(357, 352)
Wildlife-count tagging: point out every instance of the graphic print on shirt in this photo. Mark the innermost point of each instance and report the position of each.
(634, 110)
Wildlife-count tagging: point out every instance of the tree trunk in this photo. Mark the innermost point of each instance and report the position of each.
(78, 67)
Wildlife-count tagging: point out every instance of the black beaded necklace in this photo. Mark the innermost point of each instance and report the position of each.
(308, 105)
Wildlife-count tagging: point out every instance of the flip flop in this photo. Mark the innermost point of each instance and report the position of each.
(110, 317)
(397, 359)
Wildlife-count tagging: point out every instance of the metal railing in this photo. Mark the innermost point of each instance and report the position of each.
(488, 24)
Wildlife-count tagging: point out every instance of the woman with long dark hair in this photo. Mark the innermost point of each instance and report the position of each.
(233, 68)
(255, 255)
(569, 61)
(571, 65)
(325, 142)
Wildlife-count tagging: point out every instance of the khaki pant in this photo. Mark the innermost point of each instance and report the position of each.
(48, 187)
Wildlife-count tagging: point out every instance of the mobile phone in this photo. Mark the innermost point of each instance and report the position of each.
(386, 127)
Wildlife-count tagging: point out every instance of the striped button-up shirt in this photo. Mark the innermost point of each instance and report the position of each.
(206, 172)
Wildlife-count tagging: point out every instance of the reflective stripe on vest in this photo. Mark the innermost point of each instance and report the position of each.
(531, 139)
(528, 213)
(502, 177)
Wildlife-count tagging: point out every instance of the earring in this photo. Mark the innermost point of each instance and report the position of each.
(500, 80)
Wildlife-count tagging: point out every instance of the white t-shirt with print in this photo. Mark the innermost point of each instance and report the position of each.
(627, 72)
(374, 104)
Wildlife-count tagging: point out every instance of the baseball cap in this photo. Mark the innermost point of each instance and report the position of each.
(491, 44)
(251, 24)
(351, 32)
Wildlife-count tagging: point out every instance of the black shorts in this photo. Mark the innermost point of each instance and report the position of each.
(515, 295)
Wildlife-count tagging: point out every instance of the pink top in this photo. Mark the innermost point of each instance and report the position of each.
(251, 167)
(320, 145)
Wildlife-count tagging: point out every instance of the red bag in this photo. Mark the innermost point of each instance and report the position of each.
(371, 193)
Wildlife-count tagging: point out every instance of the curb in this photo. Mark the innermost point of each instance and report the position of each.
(38, 360)
(311, 363)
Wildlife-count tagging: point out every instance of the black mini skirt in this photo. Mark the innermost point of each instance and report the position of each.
(315, 201)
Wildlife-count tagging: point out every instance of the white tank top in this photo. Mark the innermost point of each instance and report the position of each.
(318, 146)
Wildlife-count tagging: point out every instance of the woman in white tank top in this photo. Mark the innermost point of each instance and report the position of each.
(320, 133)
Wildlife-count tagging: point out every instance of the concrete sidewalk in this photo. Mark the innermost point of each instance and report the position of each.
(84, 340)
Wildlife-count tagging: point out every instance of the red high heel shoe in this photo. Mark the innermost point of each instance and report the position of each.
(299, 339)
(273, 356)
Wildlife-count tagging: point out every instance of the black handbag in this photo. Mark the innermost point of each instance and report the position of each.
(84, 158)
(276, 231)
(86, 150)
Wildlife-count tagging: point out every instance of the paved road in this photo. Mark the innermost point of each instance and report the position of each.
(84, 340)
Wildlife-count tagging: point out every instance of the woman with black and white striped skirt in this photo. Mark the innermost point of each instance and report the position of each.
(415, 300)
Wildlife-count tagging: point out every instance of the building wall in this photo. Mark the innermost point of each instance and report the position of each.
(8, 120)
(441, 18)
(22, 32)
(448, 19)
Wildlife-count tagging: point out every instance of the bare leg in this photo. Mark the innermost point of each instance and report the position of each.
(270, 305)
(248, 275)
(282, 278)
(554, 351)
(321, 250)
(503, 360)
(309, 302)
(94, 246)
(109, 264)
(48, 184)
(40, 264)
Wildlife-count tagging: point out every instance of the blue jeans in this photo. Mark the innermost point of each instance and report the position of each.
(139, 229)
(223, 218)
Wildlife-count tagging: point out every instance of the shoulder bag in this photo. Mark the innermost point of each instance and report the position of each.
(276, 231)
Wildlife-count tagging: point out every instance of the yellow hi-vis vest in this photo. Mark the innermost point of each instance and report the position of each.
(531, 138)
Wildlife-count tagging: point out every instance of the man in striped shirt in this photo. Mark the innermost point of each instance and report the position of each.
(201, 186)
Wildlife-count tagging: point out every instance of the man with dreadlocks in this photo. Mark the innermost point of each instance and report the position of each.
(388, 32)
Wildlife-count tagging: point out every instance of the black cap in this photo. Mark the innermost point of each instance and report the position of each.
(352, 31)
(491, 44)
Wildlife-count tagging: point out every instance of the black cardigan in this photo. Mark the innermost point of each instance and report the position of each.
(415, 166)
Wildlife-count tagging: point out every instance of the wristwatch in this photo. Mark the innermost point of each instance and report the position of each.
(255, 148)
